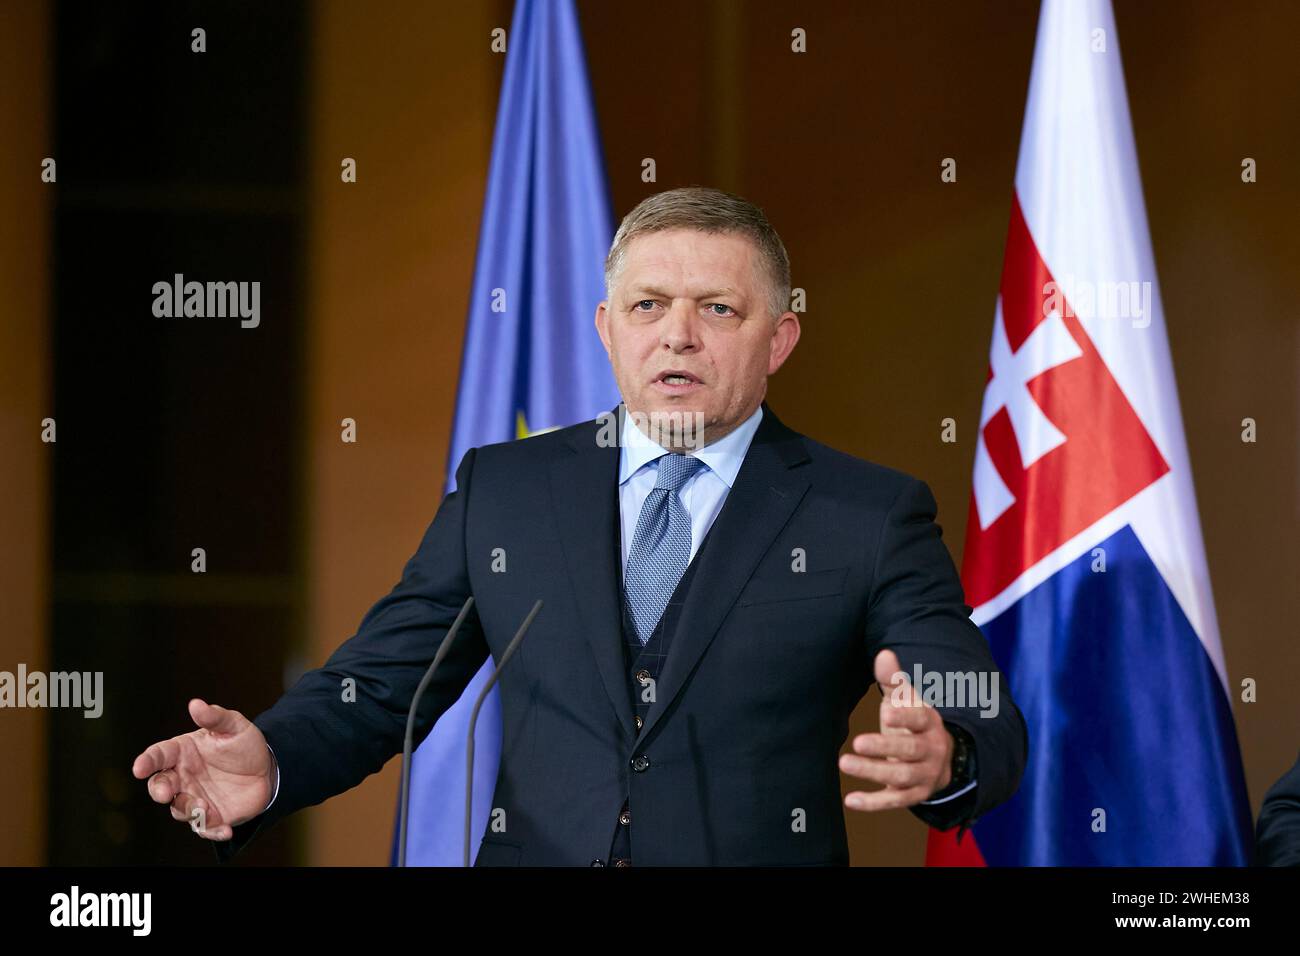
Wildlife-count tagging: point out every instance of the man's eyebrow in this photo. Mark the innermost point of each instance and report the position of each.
(647, 290)
(651, 290)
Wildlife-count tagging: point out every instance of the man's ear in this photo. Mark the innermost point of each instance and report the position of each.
(602, 324)
(784, 338)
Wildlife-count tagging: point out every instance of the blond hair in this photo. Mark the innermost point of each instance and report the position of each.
(710, 211)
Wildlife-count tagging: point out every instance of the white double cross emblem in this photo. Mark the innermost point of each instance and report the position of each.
(1049, 345)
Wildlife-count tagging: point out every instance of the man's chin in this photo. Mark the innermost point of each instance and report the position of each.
(674, 424)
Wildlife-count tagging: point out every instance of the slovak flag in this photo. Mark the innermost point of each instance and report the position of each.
(1084, 563)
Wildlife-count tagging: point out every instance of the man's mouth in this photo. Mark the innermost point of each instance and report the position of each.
(674, 381)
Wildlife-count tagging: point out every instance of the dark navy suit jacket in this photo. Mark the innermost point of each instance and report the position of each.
(736, 763)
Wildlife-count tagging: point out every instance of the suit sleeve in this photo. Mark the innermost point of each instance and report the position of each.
(1277, 833)
(918, 610)
(343, 721)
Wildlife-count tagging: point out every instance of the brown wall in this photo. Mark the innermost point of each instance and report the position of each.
(25, 204)
(842, 146)
(409, 92)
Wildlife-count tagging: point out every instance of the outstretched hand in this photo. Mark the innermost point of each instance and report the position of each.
(216, 777)
(912, 754)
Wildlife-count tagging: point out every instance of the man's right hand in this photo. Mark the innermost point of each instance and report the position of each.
(216, 777)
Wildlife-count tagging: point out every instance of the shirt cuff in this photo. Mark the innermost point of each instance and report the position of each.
(952, 796)
(276, 792)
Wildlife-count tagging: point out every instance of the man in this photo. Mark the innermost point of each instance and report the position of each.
(1277, 832)
(719, 592)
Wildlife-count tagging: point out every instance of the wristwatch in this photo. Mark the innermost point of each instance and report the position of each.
(963, 758)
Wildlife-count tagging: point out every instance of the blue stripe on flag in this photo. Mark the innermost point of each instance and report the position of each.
(1126, 715)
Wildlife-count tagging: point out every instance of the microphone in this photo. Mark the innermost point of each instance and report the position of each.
(469, 743)
(443, 648)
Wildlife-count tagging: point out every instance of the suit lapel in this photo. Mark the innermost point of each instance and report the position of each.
(584, 487)
(767, 490)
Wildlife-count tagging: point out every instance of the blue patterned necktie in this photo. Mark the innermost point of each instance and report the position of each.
(661, 545)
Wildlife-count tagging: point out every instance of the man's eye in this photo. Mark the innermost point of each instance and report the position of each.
(645, 305)
(721, 309)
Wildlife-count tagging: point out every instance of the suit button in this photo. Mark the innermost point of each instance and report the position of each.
(639, 721)
(643, 676)
(625, 817)
(621, 861)
(597, 862)
(640, 763)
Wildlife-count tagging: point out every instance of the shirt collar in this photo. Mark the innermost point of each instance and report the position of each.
(723, 457)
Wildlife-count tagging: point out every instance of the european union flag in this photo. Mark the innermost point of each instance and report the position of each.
(532, 358)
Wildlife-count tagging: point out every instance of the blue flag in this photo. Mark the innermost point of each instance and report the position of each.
(532, 359)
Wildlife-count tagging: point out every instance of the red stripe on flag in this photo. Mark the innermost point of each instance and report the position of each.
(942, 849)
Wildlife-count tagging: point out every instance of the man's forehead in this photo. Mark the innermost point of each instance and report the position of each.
(704, 261)
(693, 242)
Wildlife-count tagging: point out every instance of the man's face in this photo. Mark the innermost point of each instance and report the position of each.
(688, 328)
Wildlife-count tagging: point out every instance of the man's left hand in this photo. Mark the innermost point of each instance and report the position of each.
(912, 754)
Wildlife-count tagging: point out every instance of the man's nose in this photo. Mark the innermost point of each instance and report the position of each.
(678, 330)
